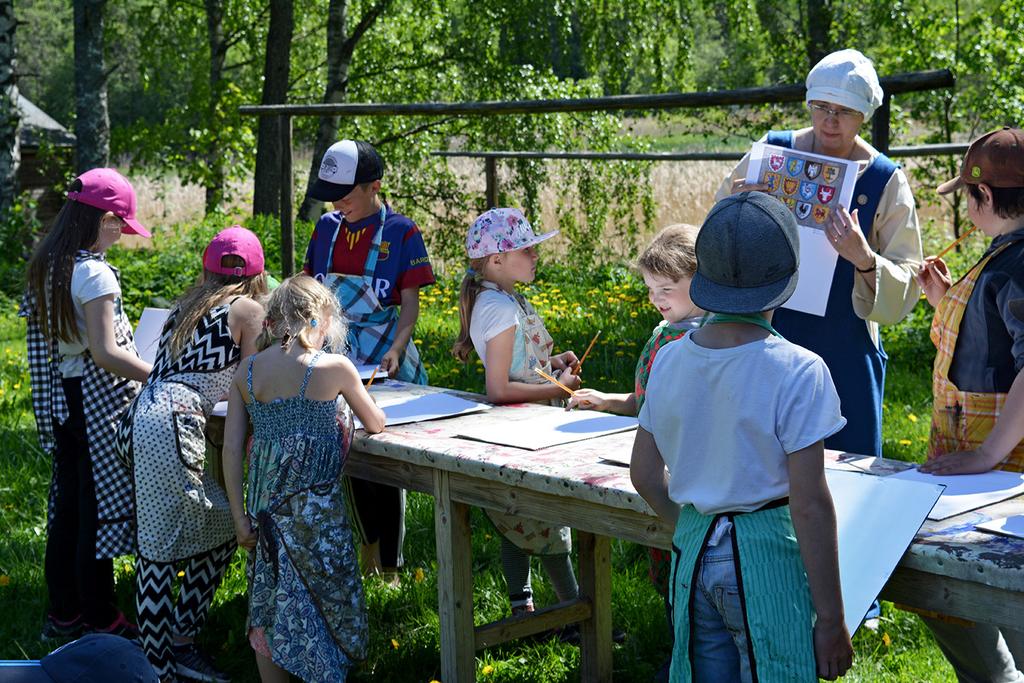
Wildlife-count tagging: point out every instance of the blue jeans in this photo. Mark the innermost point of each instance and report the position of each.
(718, 633)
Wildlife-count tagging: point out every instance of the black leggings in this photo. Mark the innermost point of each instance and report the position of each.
(77, 582)
(378, 517)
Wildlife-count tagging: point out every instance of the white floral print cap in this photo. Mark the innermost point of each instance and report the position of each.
(498, 231)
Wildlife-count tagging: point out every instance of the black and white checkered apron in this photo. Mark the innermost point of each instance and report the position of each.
(105, 397)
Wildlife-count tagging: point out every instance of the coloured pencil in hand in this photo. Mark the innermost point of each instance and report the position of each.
(579, 364)
(956, 242)
(372, 375)
(554, 381)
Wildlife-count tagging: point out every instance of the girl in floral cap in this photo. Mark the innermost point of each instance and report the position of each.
(509, 337)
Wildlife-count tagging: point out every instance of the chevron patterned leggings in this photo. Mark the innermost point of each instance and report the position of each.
(160, 618)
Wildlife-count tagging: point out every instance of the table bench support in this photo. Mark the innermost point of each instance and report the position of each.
(454, 583)
(596, 586)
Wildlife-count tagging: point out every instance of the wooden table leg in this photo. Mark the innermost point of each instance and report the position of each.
(454, 584)
(596, 585)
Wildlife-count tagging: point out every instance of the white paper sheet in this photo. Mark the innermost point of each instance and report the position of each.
(147, 332)
(967, 491)
(1007, 526)
(406, 409)
(877, 519)
(366, 372)
(812, 186)
(817, 266)
(552, 427)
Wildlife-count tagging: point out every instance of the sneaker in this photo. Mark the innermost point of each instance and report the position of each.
(195, 665)
(120, 626)
(56, 628)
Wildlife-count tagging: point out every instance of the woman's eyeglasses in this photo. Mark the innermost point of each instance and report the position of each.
(825, 110)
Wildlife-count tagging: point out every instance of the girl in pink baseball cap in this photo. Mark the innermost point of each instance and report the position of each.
(84, 371)
(183, 519)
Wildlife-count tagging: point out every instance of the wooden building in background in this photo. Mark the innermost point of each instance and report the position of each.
(47, 154)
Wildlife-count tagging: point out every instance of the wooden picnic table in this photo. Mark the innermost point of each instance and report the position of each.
(950, 568)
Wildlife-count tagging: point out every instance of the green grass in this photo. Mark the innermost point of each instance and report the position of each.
(404, 625)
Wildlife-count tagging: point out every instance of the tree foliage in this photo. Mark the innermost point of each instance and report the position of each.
(165, 117)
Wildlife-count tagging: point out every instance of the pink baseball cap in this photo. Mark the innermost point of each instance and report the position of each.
(498, 231)
(234, 241)
(105, 188)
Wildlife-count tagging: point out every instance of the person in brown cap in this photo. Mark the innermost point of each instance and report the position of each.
(978, 390)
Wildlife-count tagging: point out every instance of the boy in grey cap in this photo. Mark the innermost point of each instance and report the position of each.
(738, 416)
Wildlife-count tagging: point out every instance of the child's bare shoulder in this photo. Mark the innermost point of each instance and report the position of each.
(336, 363)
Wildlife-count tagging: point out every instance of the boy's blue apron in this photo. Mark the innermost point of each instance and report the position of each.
(840, 337)
(371, 325)
(776, 599)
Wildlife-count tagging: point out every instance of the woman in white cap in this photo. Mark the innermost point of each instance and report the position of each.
(879, 246)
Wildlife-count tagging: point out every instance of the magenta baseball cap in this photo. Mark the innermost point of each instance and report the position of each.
(234, 241)
(105, 188)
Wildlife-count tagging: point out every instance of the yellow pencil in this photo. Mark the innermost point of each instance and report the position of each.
(579, 364)
(956, 242)
(372, 375)
(554, 381)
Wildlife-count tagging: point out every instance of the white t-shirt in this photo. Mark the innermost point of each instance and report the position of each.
(725, 419)
(493, 313)
(90, 280)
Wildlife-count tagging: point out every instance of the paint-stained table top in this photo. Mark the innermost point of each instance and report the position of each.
(582, 471)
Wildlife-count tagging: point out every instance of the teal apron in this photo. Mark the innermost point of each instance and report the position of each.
(776, 600)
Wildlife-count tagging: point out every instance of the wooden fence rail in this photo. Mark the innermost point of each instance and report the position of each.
(880, 125)
(491, 169)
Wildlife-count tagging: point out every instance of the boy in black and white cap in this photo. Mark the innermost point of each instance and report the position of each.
(738, 416)
(374, 260)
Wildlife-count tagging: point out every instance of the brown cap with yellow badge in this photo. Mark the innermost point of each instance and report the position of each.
(996, 159)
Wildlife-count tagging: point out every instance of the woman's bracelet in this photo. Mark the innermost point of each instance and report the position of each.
(874, 264)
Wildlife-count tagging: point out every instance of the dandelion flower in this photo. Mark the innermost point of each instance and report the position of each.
(905, 442)
(487, 670)
(394, 643)
(886, 639)
(418, 575)
(912, 417)
(5, 581)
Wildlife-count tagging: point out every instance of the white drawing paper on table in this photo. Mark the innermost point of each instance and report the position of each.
(147, 332)
(1007, 526)
(812, 186)
(876, 519)
(966, 492)
(366, 371)
(420, 408)
(541, 429)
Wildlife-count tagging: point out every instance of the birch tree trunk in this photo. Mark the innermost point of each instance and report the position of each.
(340, 47)
(92, 121)
(267, 180)
(218, 53)
(10, 117)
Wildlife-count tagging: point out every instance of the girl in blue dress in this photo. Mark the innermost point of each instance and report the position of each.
(307, 614)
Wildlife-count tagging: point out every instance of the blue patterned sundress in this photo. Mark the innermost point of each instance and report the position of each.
(305, 590)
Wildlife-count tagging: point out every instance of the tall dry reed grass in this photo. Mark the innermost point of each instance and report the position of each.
(683, 193)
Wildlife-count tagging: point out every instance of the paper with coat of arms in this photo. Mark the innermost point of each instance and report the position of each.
(813, 186)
